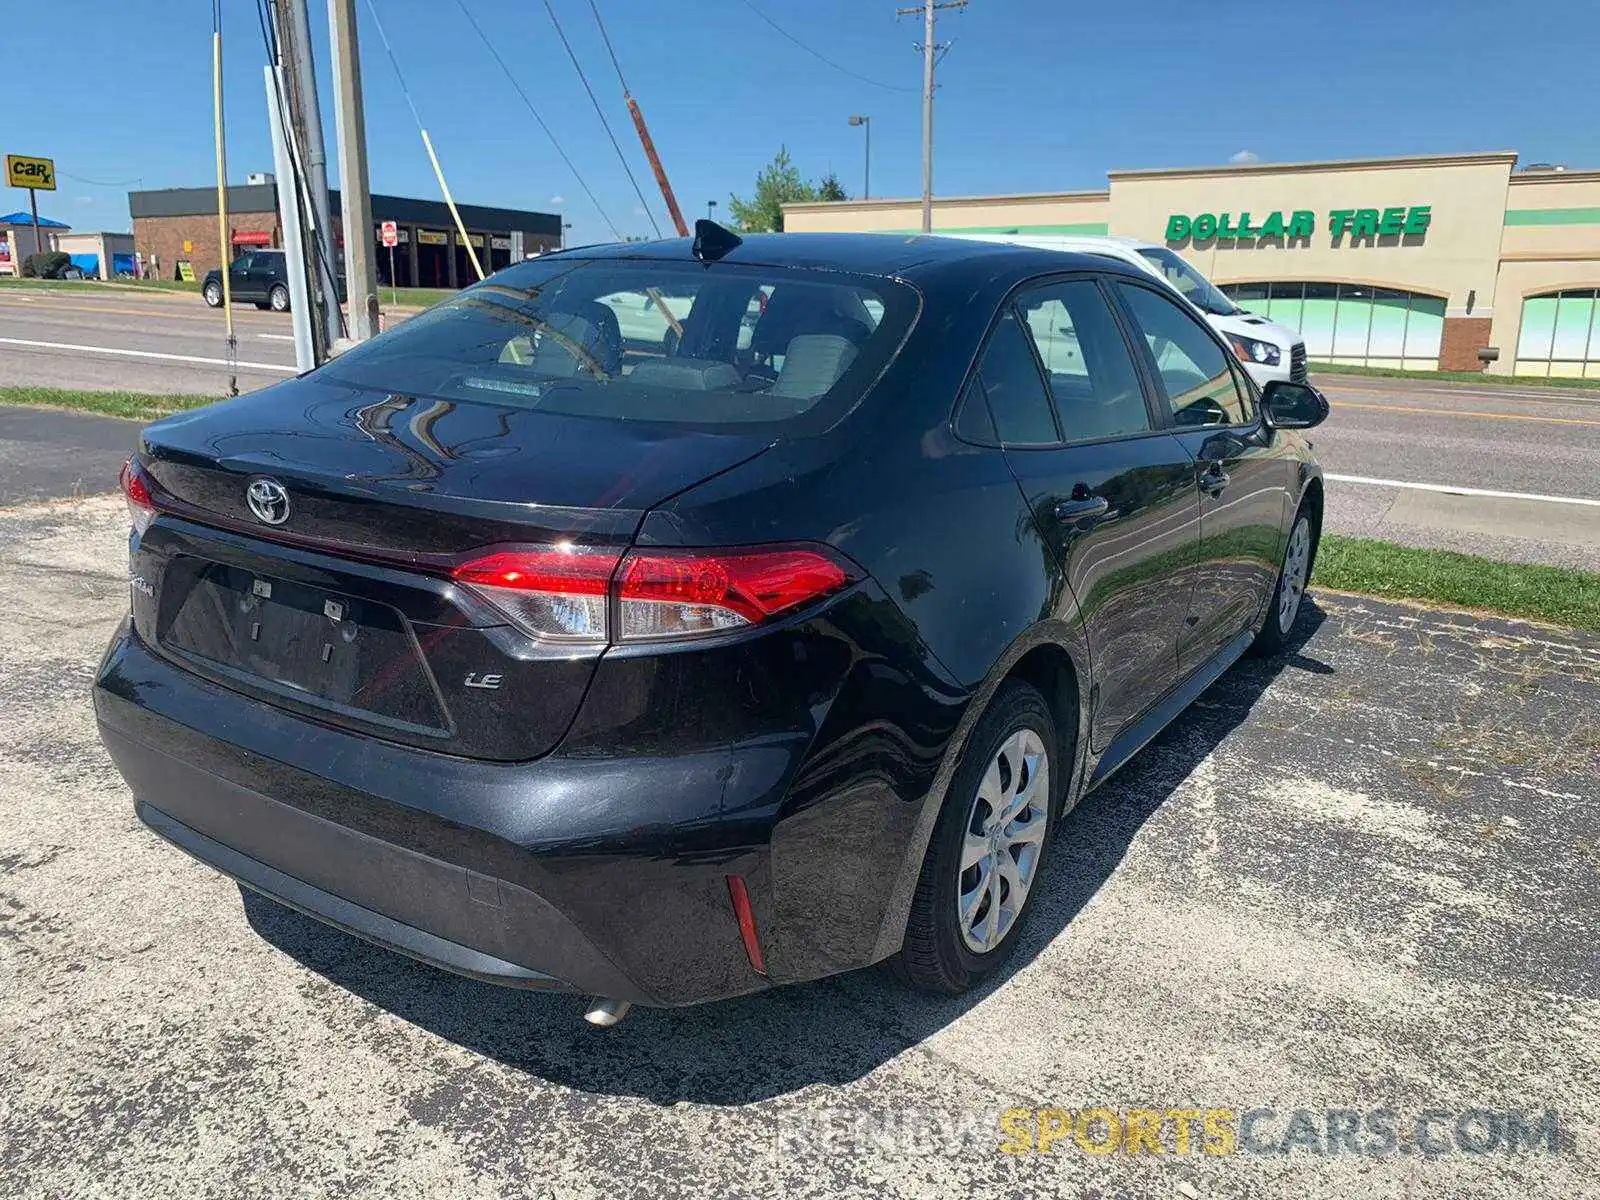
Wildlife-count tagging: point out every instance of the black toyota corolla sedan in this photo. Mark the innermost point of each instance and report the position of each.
(669, 622)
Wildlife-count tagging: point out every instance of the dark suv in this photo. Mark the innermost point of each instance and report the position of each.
(719, 655)
(260, 276)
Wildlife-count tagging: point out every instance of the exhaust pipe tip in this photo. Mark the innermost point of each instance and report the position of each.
(604, 1012)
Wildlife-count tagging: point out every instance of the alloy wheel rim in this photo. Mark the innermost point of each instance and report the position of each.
(1295, 563)
(1003, 841)
(279, 301)
(213, 294)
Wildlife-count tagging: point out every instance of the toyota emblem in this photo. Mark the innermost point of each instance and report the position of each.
(269, 500)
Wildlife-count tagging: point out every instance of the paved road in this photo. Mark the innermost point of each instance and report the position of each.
(1543, 442)
(46, 454)
(1360, 877)
(1522, 440)
(74, 339)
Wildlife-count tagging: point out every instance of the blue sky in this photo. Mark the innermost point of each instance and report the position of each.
(1037, 94)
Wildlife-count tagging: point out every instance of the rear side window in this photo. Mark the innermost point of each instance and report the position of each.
(1091, 373)
(648, 340)
(1193, 368)
(1011, 381)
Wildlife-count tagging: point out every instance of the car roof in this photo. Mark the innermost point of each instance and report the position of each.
(910, 256)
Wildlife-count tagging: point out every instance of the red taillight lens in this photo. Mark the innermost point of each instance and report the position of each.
(560, 593)
(564, 592)
(136, 490)
(671, 593)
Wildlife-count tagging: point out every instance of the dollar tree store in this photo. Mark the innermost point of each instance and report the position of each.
(1419, 262)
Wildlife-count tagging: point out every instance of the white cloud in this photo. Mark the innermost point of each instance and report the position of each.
(558, 199)
(1245, 156)
(639, 211)
(83, 199)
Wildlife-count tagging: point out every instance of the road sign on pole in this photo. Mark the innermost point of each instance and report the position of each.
(391, 235)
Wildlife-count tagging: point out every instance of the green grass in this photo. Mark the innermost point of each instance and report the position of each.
(1559, 595)
(1318, 368)
(136, 406)
(417, 297)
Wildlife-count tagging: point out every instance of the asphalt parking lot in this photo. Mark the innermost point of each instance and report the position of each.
(1360, 877)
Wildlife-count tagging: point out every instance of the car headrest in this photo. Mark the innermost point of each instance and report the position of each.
(812, 364)
(686, 374)
(553, 355)
(795, 310)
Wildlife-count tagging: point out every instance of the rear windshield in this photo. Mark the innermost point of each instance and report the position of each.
(636, 339)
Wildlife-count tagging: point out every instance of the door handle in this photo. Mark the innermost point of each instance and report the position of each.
(1213, 479)
(1082, 509)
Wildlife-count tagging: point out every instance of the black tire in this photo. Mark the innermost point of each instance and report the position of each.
(278, 298)
(212, 294)
(934, 956)
(1275, 630)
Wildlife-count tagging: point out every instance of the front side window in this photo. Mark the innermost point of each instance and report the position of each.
(648, 340)
(1194, 371)
(1091, 373)
(1011, 381)
(1188, 282)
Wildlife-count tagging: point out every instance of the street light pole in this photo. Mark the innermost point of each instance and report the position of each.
(866, 173)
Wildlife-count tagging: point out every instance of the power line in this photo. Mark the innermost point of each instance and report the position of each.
(606, 37)
(495, 54)
(820, 57)
(600, 112)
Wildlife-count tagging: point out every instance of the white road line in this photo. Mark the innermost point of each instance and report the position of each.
(277, 337)
(186, 358)
(1451, 490)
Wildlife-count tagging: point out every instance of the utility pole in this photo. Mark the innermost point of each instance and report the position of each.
(930, 51)
(305, 116)
(289, 216)
(355, 192)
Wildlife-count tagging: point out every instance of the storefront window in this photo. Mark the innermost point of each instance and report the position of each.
(1352, 323)
(1559, 335)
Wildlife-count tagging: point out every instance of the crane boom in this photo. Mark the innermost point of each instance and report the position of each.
(655, 165)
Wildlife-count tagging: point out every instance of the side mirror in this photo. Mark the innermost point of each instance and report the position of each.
(1294, 405)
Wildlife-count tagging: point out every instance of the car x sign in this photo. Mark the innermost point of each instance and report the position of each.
(24, 172)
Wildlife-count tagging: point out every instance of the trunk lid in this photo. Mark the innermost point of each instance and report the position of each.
(342, 607)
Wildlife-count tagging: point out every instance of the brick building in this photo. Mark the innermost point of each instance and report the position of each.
(179, 225)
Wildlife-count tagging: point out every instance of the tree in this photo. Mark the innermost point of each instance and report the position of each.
(778, 184)
(831, 189)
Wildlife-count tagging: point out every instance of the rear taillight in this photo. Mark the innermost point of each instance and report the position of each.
(566, 593)
(136, 490)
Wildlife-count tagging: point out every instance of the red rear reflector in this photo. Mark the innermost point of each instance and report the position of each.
(740, 896)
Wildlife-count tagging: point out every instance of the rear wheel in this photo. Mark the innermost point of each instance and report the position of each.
(212, 293)
(1292, 578)
(988, 847)
(278, 298)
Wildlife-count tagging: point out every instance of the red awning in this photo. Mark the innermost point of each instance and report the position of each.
(252, 237)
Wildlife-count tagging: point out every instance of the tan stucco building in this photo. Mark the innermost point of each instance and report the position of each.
(1418, 262)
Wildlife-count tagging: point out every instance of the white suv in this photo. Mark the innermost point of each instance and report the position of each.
(1268, 350)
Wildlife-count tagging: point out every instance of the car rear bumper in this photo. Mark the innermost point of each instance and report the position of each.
(602, 876)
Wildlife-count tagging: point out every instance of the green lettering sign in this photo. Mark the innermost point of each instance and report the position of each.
(1302, 223)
